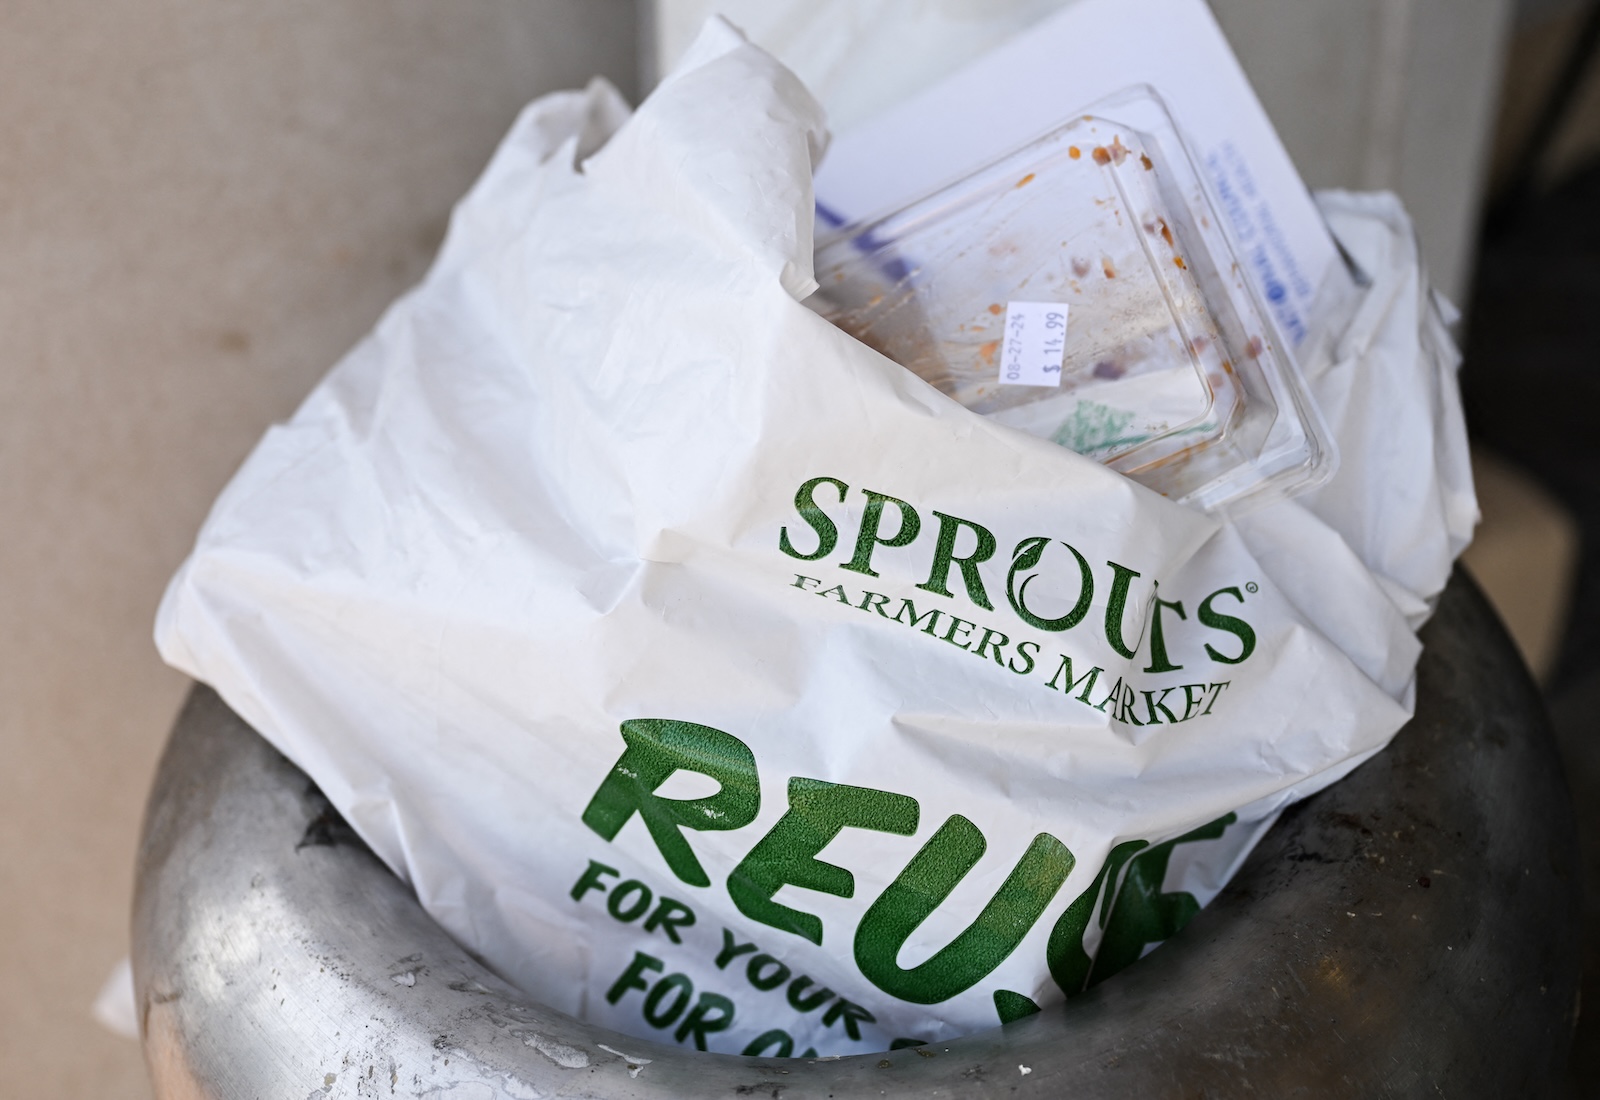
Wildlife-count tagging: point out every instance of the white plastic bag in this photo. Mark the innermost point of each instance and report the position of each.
(716, 679)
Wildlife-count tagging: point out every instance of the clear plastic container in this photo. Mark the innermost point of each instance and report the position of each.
(1163, 363)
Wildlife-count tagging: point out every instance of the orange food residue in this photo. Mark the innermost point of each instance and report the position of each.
(1074, 152)
(1105, 265)
(1166, 233)
(996, 308)
(1116, 151)
(986, 352)
(1181, 265)
(1145, 160)
(1025, 180)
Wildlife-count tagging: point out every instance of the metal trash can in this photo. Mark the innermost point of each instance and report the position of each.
(1411, 931)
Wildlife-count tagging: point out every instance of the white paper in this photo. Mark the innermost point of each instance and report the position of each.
(1063, 64)
(717, 680)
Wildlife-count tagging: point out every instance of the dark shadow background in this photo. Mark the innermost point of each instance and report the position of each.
(1531, 383)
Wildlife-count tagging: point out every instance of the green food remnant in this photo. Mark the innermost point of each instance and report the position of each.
(1094, 428)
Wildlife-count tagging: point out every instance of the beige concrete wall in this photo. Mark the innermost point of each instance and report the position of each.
(203, 203)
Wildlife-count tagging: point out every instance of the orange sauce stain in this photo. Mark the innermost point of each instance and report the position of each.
(1025, 180)
(1105, 265)
(1102, 156)
(996, 308)
(1074, 152)
(986, 352)
(1146, 161)
(1181, 265)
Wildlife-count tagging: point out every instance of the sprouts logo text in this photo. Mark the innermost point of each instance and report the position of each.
(1050, 587)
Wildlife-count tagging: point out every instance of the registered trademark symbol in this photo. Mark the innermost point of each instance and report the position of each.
(1252, 587)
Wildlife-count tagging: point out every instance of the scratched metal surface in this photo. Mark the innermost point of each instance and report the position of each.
(1412, 931)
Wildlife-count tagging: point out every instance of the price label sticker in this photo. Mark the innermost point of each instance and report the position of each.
(1034, 345)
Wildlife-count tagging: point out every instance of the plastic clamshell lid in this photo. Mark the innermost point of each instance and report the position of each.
(1169, 369)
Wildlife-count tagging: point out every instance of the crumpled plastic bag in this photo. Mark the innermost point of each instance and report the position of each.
(715, 679)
